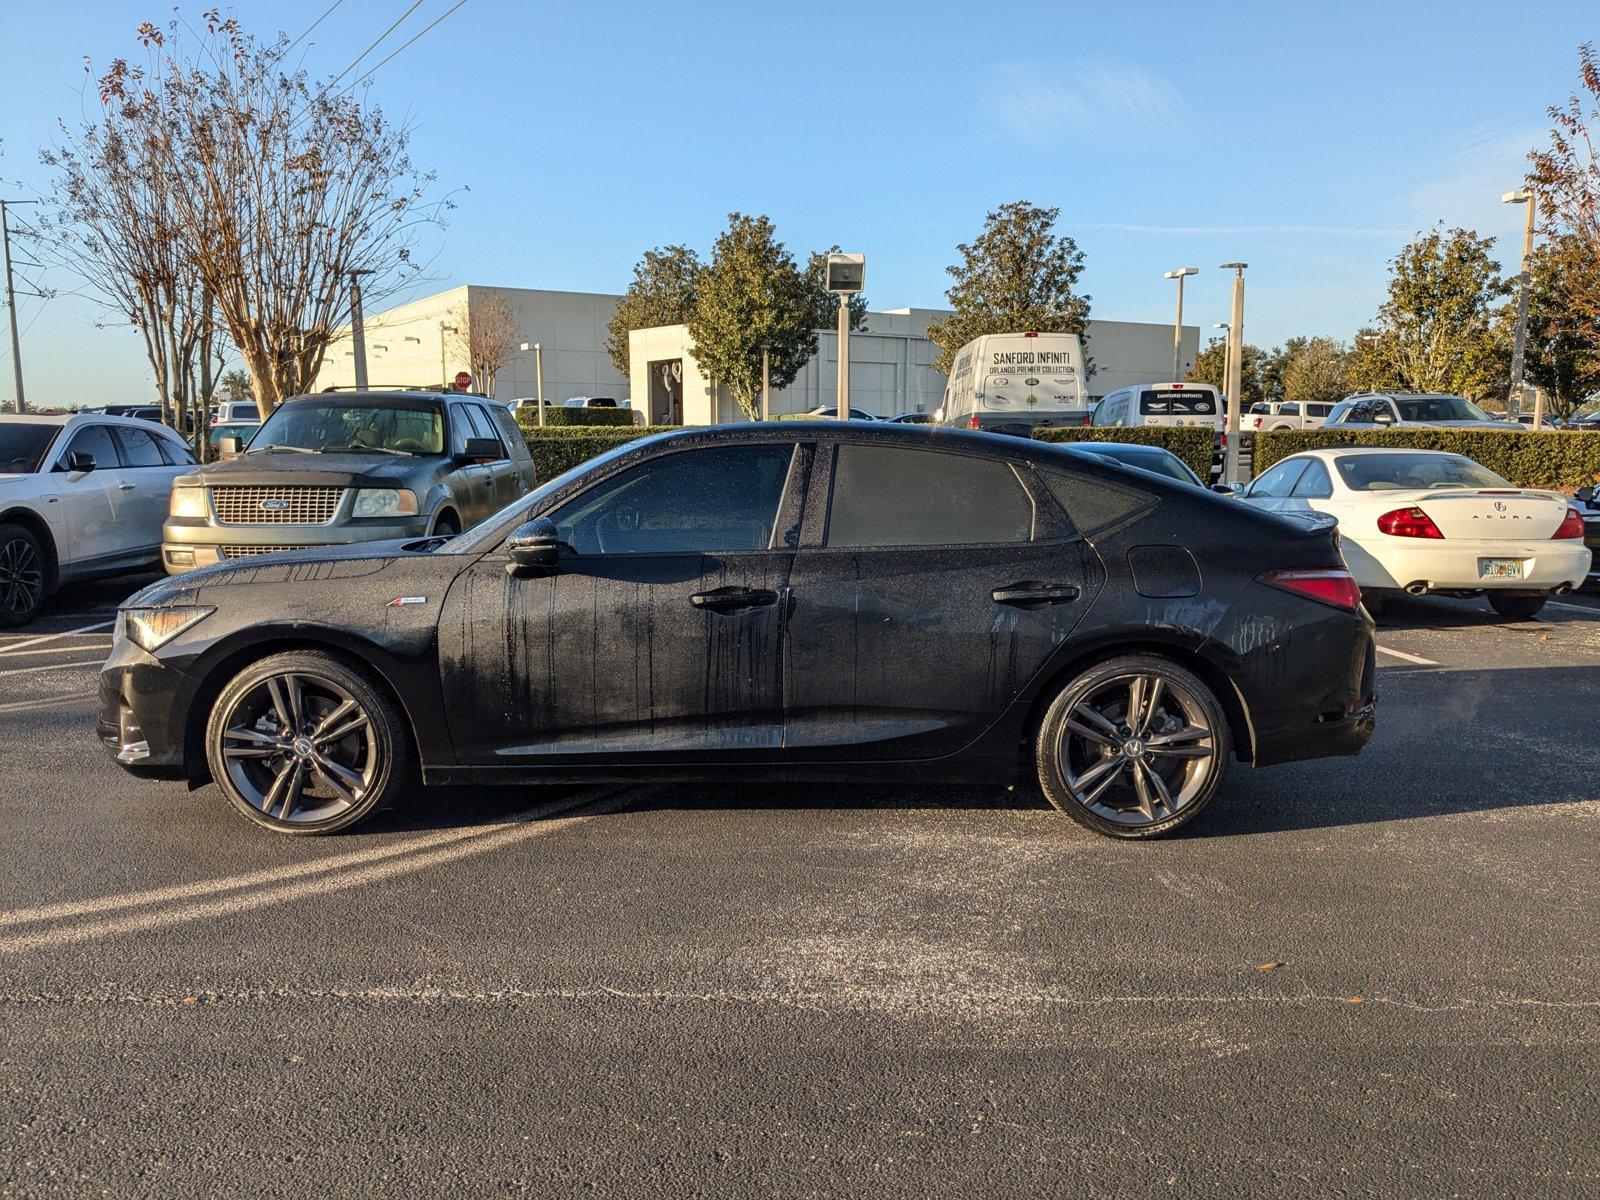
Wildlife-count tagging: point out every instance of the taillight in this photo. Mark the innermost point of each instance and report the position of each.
(1257, 422)
(1331, 585)
(1571, 525)
(972, 422)
(1408, 522)
(1088, 419)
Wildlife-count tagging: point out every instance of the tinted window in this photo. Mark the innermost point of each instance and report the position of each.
(1261, 408)
(139, 449)
(888, 496)
(1318, 410)
(1289, 410)
(22, 445)
(510, 431)
(1314, 484)
(95, 440)
(1175, 403)
(177, 455)
(693, 501)
(482, 423)
(1279, 481)
(1441, 408)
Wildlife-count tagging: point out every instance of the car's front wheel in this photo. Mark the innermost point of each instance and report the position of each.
(21, 576)
(305, 743)
(1133, 747)
(1516, 608)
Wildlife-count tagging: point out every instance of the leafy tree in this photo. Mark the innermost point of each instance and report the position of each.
(1018, 275)
(1313, 370)
(1211, 366)
(234, 387)
(665, 285)
(751, 297)
(1566, 178)
(826, 303)
(1562, 355)
(1441, 329)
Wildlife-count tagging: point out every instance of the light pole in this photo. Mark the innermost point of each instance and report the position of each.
(444, 328)
(358, 334)
(846, 276)
(1177, 324)
(538, 376)
(1524, 285)
(1230, 461)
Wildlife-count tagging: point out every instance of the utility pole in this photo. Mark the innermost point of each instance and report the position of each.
(11, 304)
(358, 335)
(1230, 461)
(1524, 286)
(1177, 325)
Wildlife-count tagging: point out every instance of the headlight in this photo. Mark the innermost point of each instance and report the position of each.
(148, 628)
(385, 502)
(187, 501)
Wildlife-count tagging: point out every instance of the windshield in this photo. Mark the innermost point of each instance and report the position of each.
(335, 425)
(1439, 408)
(1403, 472)
(22, 447)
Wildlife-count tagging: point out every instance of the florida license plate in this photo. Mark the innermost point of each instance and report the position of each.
(1500, 568)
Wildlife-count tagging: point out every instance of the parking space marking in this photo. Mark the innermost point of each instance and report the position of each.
(1410, 658)
(1583, 608)
(80, 649)
(50, 637)
(94, 662)
(372, 866)
(39, 701)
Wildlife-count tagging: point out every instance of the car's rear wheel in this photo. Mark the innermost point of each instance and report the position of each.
(303, 743)
(1133, 747)
(1516, 608)
(21, 576)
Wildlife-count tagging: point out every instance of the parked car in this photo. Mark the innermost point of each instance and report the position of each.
(81, 496)
(1153, 404)
(230, 412)
(590, 402)
(1287, 414)
(1588, 505)
(240, 431)
(912, 418)
(341, 467)
(1373, 410)
(778, 600)
(1425, 522)
(826, 411)
(1154, 459)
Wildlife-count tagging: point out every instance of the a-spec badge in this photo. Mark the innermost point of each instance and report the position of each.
(400, 600)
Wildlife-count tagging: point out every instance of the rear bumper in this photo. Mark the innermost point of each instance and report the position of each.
(1440, 565)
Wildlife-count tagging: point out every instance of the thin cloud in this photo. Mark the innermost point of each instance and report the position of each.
(1037, 102)
(1249, 230)
(1472, 169)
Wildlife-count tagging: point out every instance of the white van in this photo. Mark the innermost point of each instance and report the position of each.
(1161, 404)
(1015, 383)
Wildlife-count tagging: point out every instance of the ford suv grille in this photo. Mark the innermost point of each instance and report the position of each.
(276, 505)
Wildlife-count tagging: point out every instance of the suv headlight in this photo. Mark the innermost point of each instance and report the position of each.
(187, 501)
(149, 628)
(384, 502)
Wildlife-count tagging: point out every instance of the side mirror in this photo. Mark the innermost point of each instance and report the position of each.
(480, 450)
(1383, 418)
(80, 461)
(1225, 489)
(534, 548)
(1585, 494)
(230, 447)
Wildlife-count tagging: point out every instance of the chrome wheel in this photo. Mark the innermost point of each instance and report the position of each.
(300, 748)
(1136, 749)
(21, 578)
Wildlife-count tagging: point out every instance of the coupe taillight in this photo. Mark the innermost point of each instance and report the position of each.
(972, 422)
(1328, 586)
(1408, 522)
(1571, 525)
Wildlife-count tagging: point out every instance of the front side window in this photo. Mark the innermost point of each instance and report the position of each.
(334, 425)
(1314, 484)
(890, 496)
(718, 500)
(1278, 482)
(94, 440)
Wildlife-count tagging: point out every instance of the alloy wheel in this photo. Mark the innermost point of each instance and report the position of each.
(1137, 749)
(21, 578)
(300, 748)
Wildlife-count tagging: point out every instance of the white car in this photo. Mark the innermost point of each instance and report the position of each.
(1421, 410)
(1287, 414)
(81, 495)
(1421, 521)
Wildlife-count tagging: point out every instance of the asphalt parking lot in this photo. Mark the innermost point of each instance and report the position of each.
(1350, 977)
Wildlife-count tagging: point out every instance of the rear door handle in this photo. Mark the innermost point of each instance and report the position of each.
(1035, 595)
(734, 599)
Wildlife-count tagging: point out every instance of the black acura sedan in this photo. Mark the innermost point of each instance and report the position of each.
(790, 601)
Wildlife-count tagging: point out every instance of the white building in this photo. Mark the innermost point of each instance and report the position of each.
(890, 361)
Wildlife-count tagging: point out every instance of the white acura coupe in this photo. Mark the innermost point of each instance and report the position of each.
(1426, 522)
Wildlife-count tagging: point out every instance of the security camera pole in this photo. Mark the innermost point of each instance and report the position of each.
(1524, 281)
(1177, 325)
(847, 276)
(1230, 460)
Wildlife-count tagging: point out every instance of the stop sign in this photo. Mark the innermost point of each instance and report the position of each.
(463, 381)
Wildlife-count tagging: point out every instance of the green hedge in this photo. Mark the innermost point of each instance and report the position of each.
(559, 416)
(1563, 461)
(560, 449)
(1194, 444)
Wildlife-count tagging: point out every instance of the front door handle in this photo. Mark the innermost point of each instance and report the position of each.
(1035, 595)
(734, 599)
(125, 487)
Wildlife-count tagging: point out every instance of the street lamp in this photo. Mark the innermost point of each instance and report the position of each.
(1230, 464)
(1177, 324)
(444, 329)
(538, 375)
(1524, 282)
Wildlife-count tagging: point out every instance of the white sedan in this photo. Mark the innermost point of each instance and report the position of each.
(1422, 522)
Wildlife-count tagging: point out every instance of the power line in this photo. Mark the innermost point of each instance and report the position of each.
(369, 74)
(416, 4)
(310, 27)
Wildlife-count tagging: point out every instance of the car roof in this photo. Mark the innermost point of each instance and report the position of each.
(81, 418)
(376, 398)
(1363, 451)
(1117, 448)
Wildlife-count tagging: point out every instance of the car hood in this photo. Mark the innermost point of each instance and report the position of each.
(279, 467)
(325, 562)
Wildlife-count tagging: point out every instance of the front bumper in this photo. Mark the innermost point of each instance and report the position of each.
(188, 543)
(143, 709)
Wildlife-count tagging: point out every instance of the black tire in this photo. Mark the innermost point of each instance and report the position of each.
(22, 576)
(249, 750)
(1516, 608)
(1096, 767)
(446, 526)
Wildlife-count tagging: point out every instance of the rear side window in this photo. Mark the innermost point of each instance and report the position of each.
(510, 432)
(890, 496)
(139, 449)
(1279, 481)
(1314, 484)
(176, 455)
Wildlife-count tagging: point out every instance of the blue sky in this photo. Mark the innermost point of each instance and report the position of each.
(1309, 140)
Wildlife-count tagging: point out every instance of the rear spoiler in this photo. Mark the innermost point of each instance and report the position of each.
(1309, 524)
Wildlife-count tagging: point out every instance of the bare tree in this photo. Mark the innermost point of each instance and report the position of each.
(270, 190)
(1566, 176)
(487, 335)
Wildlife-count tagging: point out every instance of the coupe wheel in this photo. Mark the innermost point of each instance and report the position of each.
(302, 743)
(21, 576)
(1134, 747)
(1516, 608)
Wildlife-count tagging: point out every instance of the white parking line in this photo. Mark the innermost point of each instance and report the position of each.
(1583, 608)
(50, 637)
(94, 662)
(39, 701)
(1410, 658)
(81, 648)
